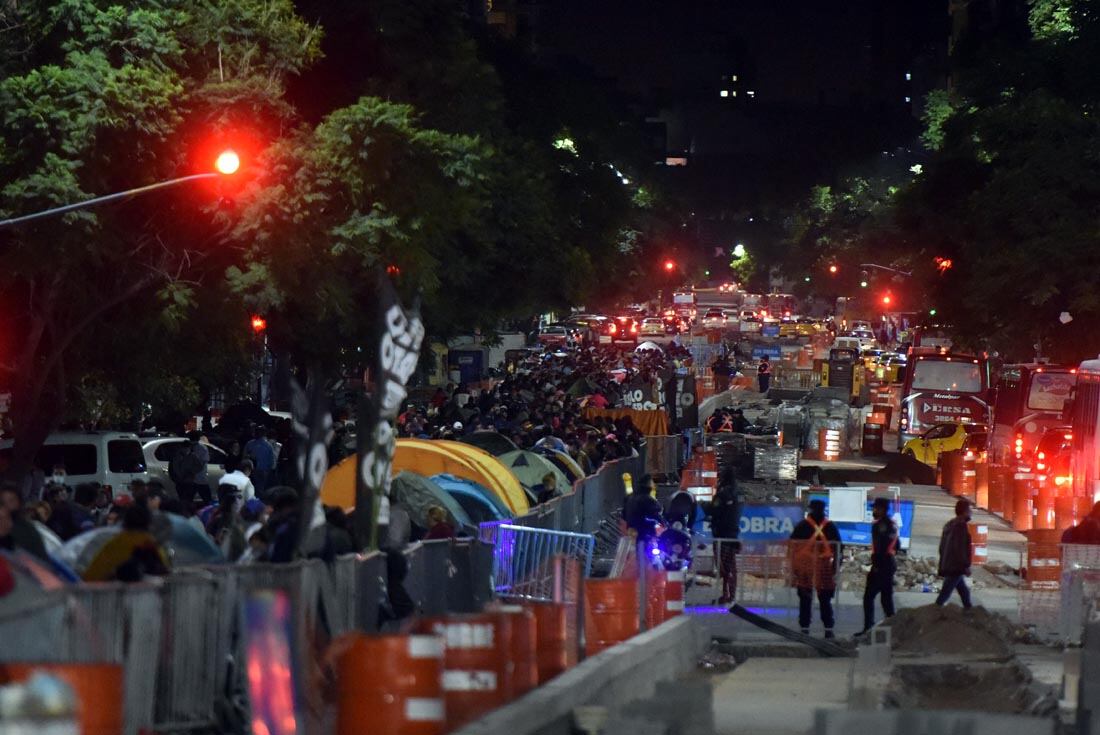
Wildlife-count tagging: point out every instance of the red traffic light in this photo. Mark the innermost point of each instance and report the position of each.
(670, 266)
(942, 263)
(887, 299)
(832, 268)
(259, 324)
(227, 162)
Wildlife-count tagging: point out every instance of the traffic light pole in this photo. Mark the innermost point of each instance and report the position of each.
(107, 199)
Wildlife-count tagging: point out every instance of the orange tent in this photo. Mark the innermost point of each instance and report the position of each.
(429, 458)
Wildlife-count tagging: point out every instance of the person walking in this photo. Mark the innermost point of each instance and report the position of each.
(725, 525)
(187, 469)
(955, 556)
(880, 580)
(764, 374)
(815, 556)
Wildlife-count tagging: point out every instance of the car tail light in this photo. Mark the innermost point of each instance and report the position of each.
(970, 454)
(633, 328)
(612, 328)
(1040, 464)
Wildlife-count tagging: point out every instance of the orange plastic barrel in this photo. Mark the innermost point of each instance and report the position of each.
(476, 676)
(1008, 510)
(981, 483)
(996, 483)
(950, 472)
(979, 543)
(557, 649)
(98, 690)
(664, 596)
(1021, 505)
(968, 475)
(1044, 508)
(523, 652)
(610, 612)
(1084, 507)
(394, 682)
(1044, 559)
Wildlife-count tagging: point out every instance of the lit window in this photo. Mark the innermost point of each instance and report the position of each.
(733, 93)
(751, 93)
(908, 100)
(733, 78)
(908, 77)
(725, 93)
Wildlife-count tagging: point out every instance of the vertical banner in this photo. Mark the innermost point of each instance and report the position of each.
(313, 431)
(680, 402)
(394, 361)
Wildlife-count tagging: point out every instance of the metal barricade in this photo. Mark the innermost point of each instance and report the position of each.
(522, 564)
(663, 454)
(1080, 590)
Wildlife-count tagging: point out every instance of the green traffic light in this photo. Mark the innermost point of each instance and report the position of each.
(931, 312)
(863, 284)
(807, 279)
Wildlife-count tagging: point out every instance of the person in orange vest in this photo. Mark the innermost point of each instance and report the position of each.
(880, 580)
(815, 556)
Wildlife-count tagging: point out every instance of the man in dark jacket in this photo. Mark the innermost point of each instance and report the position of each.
(681, 507)
(641, 511)
(955, 555)
(880, 580)
(815, 558)
(23, 533)
(1085, 532)
(725, 525)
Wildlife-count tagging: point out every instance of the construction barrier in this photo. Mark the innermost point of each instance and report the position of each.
(979, 543)
(97, 688)
(522, 653)
(999, 479)
(476, 671)
(1044, 559)
(664, 596)
(1022, 503)
(610, 613)
(523, 567)
(1045, 507)
(557, 638)
(981, 482)
(394, 682)
(663, 455)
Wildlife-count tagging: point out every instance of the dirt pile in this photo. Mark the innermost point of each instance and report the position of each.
(1005, 688)
(950, 630)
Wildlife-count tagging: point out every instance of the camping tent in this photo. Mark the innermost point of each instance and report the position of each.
(429, 458)
(492, 442)
(417, 493)
(530, 468)
(478, 501)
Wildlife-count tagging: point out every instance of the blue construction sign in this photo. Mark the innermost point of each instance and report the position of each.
(859, 533)
(769, 521)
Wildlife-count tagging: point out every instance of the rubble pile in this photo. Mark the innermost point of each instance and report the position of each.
(915, 573)
(1007, 689)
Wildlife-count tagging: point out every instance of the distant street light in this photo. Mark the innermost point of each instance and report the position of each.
(670, 266)
(739, 250)
(226, 164)
(833, 268)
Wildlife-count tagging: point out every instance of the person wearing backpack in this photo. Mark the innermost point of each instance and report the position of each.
(188, 470)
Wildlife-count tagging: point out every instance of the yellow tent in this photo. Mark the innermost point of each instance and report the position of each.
(429, 458)
(487, 470)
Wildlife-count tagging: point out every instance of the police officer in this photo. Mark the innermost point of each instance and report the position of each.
(880, 580)
(642, 511)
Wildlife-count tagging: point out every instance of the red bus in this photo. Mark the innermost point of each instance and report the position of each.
(1028, 400)
(942, 387)
(1084, 412)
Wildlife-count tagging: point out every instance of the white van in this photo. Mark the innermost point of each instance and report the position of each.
(111, 458)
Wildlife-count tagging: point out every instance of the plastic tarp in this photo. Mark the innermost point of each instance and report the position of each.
(428, 458)
(479, 502)
(530, 468)
(650, 423)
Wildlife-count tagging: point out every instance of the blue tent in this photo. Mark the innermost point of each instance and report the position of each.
(479, 502)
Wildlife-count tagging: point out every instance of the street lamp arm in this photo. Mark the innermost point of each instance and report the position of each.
(106, 198)
(886, 268)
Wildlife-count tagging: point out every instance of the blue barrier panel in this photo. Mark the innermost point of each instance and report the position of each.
(769, 521)
(773, 353)
(859, 534)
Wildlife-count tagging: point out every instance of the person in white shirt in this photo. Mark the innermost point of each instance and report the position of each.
(239, 478)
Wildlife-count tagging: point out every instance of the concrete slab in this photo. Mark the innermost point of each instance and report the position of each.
(779, 696)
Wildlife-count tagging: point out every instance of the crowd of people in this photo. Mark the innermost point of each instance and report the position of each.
(541, 399)
(253, 514)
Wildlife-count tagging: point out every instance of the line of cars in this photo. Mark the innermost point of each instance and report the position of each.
(624, 330)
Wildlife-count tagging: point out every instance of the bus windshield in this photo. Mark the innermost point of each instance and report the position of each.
(1050, 391)
(956, 377)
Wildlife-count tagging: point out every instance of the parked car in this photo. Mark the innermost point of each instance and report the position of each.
(111, 458)
(158, 455)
